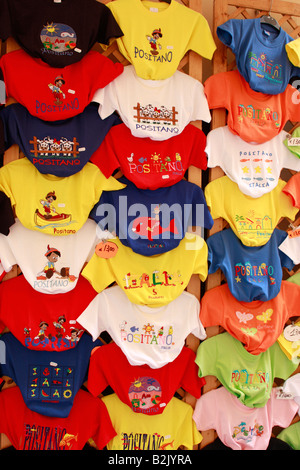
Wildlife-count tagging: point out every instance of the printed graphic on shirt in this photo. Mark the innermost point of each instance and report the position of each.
(147, 335)
(151, 118)
(261, 321)
(150, 227)
(257, 172)
(57, 91)
(254, 273)
(171, 164)
(60, 152)
(247, 433)
(254, 226)
(154, 52)
(260, 116)
(52, 275)
(145, 395)
(50, 383)
(250, 381)
(58, 38)
(37, 437)
(49, 215)
(152, 281)
(264, 68)
(143, 441)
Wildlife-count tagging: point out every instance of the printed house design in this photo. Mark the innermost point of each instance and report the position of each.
(255, 223)
(265, 69)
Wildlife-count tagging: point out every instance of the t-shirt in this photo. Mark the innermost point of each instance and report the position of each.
(28, 430)
(249, 377)
(255, 168)
(151, 164)
(292, 142)
(59, 148)
(291, 388)
(143, 389)
(152, 41)
(238, 426)
(292, 189)
(252, 272)
(52, 204)
(154, 283)
(291, 245)
(149, 221)
(256, 324)
(158, 109)
(54, 93)
(260, 53)
(48, 380)
(167, 431)
(254, 116)
(293, 51)
(43, 322)
(289, 340)
(50, 264)
(253, 220)
(152, 336)
(291, 435)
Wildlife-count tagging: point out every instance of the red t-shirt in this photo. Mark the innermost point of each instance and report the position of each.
(28, 430)
(52, 93)
(40, 321)
(292, 188)
(151, 164)
(143, 389)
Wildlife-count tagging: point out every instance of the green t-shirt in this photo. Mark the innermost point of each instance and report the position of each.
(295, 278)
(249, 377)
(291, 436)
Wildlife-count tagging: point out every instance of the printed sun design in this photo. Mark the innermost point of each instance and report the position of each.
(137, 383)
(51, 28)
(148, 328)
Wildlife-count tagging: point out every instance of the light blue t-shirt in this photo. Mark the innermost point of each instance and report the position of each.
(260, 54)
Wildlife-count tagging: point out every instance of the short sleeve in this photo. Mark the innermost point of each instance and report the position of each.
(201, 40)
(107, 99)
(214, 198)
(188, 435)
(205, 412)
(105, 430)
(200, 264)
(108, 27)
(105, 156)
(213, 149)
(216, 91)
(199, 109)
(292, 103)
(286, 261)
(7, 257)
(293, 52)
(206, 357)
(282, 365)
(292, 189)
(215, 252)
(211, 308)
(94, 317)
(99, 273)
(290, 247)
(284, 410)
(5, 183)
(97, 381)
(198, 156)
(229, 34)
(190, 380)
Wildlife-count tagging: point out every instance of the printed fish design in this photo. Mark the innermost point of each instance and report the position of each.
(245, 160)
(67, 439)
(142, 160)
(257, 160)
(134, 328)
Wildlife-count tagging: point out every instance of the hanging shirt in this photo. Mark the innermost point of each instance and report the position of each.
(52, 204)
(291, 435)
(152, 41)
(252, 272)
(255, 168)
(158, 109)
(260, 53)
(58, 32)
(256, 324)
(151, 164)
(248, 377)
(146, 335)
(28, 430)
(293, 51)
(151, 222)
(253, 220)
(292, 190)
(136, 431)
(43, 322)
(48, 380)
(240, 427)
(154, 283)
(143, 389)
(256, 117)
(292, 142)
(51, 93)
(60, 148)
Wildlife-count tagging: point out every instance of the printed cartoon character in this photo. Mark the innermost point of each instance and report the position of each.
(59, 326)
(75, 333)
(56, 89)
(47, 204)
(43, 327)
(52, 255)
(153, 40)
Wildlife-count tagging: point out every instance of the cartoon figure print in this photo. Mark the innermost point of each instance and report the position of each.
(58, 94)
(153, 41)
(50, 213)
(53, 255)
(150, 226)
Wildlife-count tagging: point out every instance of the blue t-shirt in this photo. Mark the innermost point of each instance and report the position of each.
(152, 222)
(59, 148)
(260, 54)
(252, 273)
(48, 380)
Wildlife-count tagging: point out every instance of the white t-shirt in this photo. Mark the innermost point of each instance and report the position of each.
(49, 263)
(158, 109)
(291, 247)
(147, 335)
(292, 387)
(254, 167)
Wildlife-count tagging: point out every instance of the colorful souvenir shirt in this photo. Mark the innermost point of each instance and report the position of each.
(136, 431)
(53, 205)
(289, 340)
(7, 218)
(147, 163)
(249, 377)
(238, 426)
(291, 388)
(42, 322)
(146, 335)
(154, 283)
(253, 220)
(151, 40)
(255, 168)
(256, 324)
(260, 53)
(143, 389)
(50, 264)
(28, 430)
(57, 94)
(292, 189)
(256, 117)
(60, 148)
(292, 142)
(158, 221)
(252, 272)
(291, 435)
(293, 51)
(48, 380)
(158, 109)
(291, 245)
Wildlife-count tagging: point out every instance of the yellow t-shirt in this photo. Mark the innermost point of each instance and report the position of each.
(251, 219)
(152, 280)
(293, 52)
(51, 204)
(169, 430)
(157, 35)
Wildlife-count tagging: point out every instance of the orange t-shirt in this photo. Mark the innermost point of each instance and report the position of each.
(254, 116)
(256, 324)
(292, 188)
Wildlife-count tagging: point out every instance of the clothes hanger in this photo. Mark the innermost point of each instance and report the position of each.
(268, 19)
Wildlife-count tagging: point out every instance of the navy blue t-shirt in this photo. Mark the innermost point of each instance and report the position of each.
(152, 222)
(252, 272)
(48, 380)
(59, 148)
